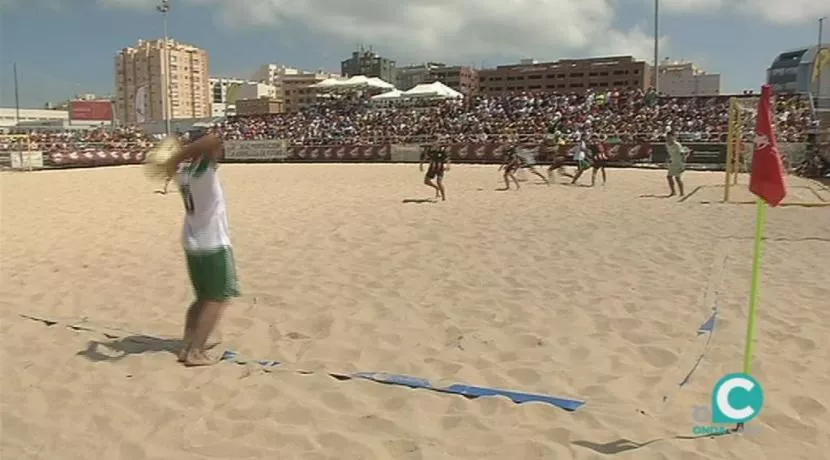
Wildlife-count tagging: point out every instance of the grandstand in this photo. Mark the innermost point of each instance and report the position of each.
(613, 116)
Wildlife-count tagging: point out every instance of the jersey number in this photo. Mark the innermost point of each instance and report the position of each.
(188, 199)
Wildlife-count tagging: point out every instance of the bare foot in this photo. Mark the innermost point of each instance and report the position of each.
(199, 358)
(214, 340)
(182, 354)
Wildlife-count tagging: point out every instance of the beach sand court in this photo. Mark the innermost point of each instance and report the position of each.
(587, 293)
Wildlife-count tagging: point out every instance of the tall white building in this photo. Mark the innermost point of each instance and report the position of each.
(226, 91)
(273, 73)
(686, 79)
(158, 80)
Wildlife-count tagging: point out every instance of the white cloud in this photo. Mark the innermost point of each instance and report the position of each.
(691, 5)
(51, 4)
(148, 5)
(445, 29)
(773, 11)
(788, 11)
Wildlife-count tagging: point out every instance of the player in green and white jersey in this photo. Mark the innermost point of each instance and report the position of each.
(207, 244)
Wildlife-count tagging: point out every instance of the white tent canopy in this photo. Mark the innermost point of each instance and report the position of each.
(358, 81)
(327, 83)
(378, 83)
(389, 95)
(436, 89)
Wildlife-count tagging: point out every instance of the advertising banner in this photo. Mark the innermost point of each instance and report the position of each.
(264, 150)
(90, 110)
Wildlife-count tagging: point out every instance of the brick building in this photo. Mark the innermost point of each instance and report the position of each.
(566, 76)
(463, 79)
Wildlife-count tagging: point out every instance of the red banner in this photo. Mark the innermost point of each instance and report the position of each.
(90, 110)
(461, 153)
(491, 153)
(345, 153)
(95, 157)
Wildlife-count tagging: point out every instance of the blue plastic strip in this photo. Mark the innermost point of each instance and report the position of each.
(468, 391)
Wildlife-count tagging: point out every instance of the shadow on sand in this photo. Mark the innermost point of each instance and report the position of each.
(780, 239)
(651, 195)
(117, 349)
(419, 200)
(626, 445)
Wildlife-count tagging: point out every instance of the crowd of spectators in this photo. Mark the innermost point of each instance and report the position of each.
(641, 116)
(632, 116)
(120, 140)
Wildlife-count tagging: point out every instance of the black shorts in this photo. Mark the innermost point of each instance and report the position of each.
(435, 171)
(598, 163)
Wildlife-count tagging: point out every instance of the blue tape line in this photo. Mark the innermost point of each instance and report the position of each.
(469, 391)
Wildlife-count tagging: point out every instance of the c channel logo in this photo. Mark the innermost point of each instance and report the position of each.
(737, 398)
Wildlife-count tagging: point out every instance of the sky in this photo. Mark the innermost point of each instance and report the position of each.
(67, 47)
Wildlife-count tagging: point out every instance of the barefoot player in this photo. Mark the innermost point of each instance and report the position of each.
(512, 163)
(552, 146)
(207, 244)
(677, 163)
(596, 159)
(528, 159)
(580, 156)
(438, 158)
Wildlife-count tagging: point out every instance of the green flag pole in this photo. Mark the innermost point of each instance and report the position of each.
(758, 254)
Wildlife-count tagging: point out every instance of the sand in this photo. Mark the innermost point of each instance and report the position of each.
(577, 292)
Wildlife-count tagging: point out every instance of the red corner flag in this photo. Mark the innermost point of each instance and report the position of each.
(767, 178)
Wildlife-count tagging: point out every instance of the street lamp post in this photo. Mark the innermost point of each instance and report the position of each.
(818, 52)
(656, 46)
(164, 9)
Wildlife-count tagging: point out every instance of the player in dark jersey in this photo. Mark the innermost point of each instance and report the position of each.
(551, 151)
(596, 159)
(438, 159)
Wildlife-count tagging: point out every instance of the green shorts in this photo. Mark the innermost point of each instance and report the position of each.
(213, 274)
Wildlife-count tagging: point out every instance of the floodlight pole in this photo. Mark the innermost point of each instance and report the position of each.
(16, 99)
(818, 52)
(657, 46)
(167, 109)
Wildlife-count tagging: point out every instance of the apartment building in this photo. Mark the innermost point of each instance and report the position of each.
(565, 76)
(463, 79)
(156, 81)
(292, 85)
(225, 92)
(370, 64)
(412, 75)
(686, 79)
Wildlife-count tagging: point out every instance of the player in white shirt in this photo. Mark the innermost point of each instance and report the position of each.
(578, 153)
(207, 244)
(678, 154)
